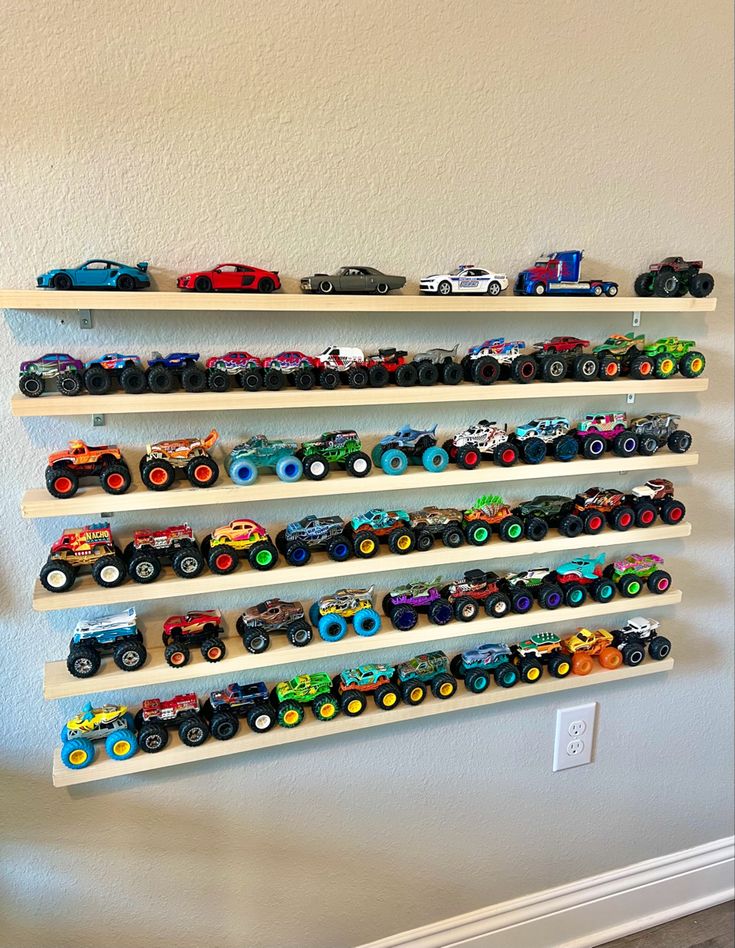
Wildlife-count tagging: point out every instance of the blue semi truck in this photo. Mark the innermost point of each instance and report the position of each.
(558, 275)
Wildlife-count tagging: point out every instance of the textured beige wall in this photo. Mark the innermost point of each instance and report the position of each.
(305, 135)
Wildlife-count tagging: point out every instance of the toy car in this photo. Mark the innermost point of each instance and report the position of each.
(438, 365)
(561, 356)
(164, 371)
(389, 363)
(338, 363)
(587, 644)
(232, 277)
(35, 373)
(223, 709)
(149, 550)
(540, 435)
(410, 445)
(162, 460)
(558, 275)
(491, 514)
(671, 354)
(583, 575)
(330, 614)
(432, 670)
(92, 546)
(97, 275)
(477, 666)
(529, 584)
(467, 278)
(225, 546)
(404, 604)
(300, 368)
(432, 523)
(353, 684)
(632, 639)
(562, 344)
(246, 368)
(658, 429)
(631, 573)
(256, 625)
(599, 430)
(656, 497)
(352, 280)
(111, 723)
(341, 448)
(389, 526)
(548, 510)
(289, 698)
(542, 650)
(125, 370)
(674, 276)
(202, 629)
(117, 635)
(477, 587)
(495, 358)
(156, 717)
(623, 355)
(301, 537)
(105, 461)
(486, 439)
(258, 453)
(597, 506)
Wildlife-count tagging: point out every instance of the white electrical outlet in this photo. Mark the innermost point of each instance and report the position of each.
(575, 734)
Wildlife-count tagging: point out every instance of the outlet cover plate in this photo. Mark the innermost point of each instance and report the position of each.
(575, 736)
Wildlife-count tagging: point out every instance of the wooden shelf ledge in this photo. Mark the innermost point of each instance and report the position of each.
(161, 300)
(120, 403)
(245, 741)
(322, 569)
(58, 683)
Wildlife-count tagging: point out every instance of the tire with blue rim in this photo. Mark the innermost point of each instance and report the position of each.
(367, 622)
(289, 469)
(332, 628)
(297, 554)
(77, 753)
(393, 461)
(243, 472)
(435, 459)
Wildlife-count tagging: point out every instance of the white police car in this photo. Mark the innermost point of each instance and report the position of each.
(465, 279)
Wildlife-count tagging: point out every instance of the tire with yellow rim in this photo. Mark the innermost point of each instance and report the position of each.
(352, 703)
(387, 696)
(77, 753)
(531, 669)
(325, 707)
(413, 691)
(443, 686)
(290, 714)
(121, 744)
(365, 544)
(560, 665)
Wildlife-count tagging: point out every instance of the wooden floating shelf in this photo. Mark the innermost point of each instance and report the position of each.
(245, 741)
(58, 683)
(161, 300)
(86, 592)
(120, 403)
(93, 500)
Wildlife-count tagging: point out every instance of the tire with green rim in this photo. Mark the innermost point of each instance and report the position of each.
(511, 529)
(263, 556)
(630, 586)
(643, 285)
(478, 534)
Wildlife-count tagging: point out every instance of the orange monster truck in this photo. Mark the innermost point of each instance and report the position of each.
(65, 468)
(585, 644)
(159, 464)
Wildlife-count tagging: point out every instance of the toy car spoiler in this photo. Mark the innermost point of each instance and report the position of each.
(142, 266)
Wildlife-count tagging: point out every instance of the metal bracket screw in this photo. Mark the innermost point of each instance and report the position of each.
(98, 421)
(86, 320)
(630, 398)
(636, 320)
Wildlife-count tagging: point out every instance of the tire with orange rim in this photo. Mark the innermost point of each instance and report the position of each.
(641, 367)
(213, 649)
(157, 474)
(582, 663)
(202, 472)
(177, 654)
(61, 483)
(115, 479)
(609, 367)
(610, 657)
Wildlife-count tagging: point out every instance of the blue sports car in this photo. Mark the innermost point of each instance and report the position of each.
(97, 275)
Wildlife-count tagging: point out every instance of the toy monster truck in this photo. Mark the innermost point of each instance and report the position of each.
(600, 430)
(403, 604)
(672, 354)
(257, 454)
(35, 373)
(105, 461)
(595, 507)
(246, 368)
(162, 460)
(353, 685)
(631, 573)
(477, 587)
(582, 576)
(389, 364)
(164, 372)
(289, 698)
(117, 635)
(656, 497)
(256, 625)
(544, 511)
(410, 446)
(491, 514)
(330, 614)
(623, 355)
(588, 643)
(486, 439)
(341, 448)
(430, 670)
(150, 550)
(541, 435)
(343, 363)
(432, 523)
(478, 665)
(300, 538)
(243, 538)
(156, 717)
(525, 586)
(544, 649)
(223, 709)
(658, 429)
(389, 526)
(439, 365)
(674, 276)
(632, 639)
(93, 546)
(201, 630)
(496, 358)
(561, 356)
(111, 723)
(114, 367)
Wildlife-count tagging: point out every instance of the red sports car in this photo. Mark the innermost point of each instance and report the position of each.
(562, 344)
(236, 277)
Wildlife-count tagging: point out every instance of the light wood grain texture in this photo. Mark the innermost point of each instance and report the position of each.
(86, 592)
(58, 683)
(245, 741)
(119, 403)
(315, 303)
(37, 502)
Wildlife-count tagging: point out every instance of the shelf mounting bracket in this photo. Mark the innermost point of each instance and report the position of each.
(630, 398)
(86, 320)
(98, 421)
(636, 319)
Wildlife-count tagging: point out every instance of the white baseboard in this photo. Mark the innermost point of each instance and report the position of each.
(592, 911)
